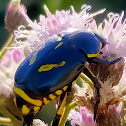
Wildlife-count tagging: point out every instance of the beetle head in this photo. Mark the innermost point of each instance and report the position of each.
(101, 39)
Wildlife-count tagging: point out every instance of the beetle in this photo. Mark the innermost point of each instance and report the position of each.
(49, 70)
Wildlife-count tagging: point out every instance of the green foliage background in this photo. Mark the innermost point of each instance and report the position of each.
(35, 7)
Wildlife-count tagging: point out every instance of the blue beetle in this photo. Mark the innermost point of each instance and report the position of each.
(49, 70)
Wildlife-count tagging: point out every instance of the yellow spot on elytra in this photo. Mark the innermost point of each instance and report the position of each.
(23, 95)
(51, 96)
(48, 67)
(60, 111)
(64, 88)
(95, 55)
(61, 64)
(59, 92)
(36, 108)
(45, 100)
(25, 110)
(32, 60)
(59, 45)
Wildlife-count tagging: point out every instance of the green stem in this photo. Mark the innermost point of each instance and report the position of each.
(9, 43)
(86, 79)
(66, 112)
(5, 121)
(8, 114)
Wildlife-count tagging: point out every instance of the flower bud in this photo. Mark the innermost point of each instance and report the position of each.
(14, 17)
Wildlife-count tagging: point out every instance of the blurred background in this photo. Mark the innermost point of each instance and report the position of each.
(35, 8)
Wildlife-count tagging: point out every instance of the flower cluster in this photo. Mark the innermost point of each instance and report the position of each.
(112, 78)
(8, 66)
(82, 118)
(113, 30)
(53, 25)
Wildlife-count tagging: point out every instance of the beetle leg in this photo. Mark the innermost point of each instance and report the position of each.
(61, 106)
(103, 61)
(60, 109)
(58, 114)
(28, 120)
(96, 87)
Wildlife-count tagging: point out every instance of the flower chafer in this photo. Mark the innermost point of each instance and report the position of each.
(48, 72)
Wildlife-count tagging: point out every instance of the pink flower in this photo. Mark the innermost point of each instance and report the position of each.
(113, 30)
(17, 56)
(82, 118)
(52, 24)
(13, 17)
(8, 67)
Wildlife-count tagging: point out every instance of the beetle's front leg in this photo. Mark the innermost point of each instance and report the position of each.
(103, 61)
(28, 120)
(96, 88)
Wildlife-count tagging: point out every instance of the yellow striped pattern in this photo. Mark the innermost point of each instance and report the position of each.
(23, 95)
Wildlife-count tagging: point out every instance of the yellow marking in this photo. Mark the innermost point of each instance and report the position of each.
(59, 45)
(32, 60)
(61, 64)
(51, 96)
(48, 67)
(25, 110)
(36, 108)
(22, 94)
(64, 88)
(95, 55)
(60, 110)
(59, 92)
(45, 100)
